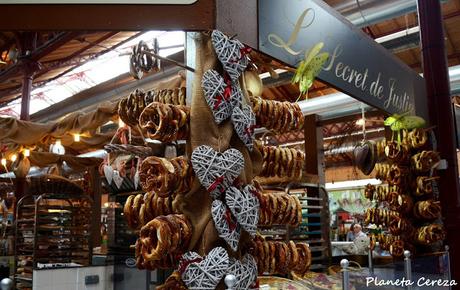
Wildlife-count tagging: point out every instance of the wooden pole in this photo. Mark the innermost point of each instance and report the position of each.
(435, 71)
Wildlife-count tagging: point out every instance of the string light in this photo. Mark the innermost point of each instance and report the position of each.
(14, 157)
(76, 137)
(3, 161)
(26, 152)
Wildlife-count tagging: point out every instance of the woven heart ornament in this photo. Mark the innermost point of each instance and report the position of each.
(244, 122)
(221, 94)
(231, 53)
(225, 223)
(216, 171)
(244, 205)
(244, 271)
(204, 273)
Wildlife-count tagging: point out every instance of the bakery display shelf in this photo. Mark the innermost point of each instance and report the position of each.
(50, 228)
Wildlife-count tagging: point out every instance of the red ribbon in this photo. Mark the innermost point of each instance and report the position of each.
(228, 218)
(185, 263)
(243, 51)
(249, 130)
(228, 87)
(216, 183)
(227, 92)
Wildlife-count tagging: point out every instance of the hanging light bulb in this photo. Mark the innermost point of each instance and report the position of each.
(3, 161)
(13, 157)
(58, 142)
(26, 152)
(360, 122)
(76, 137)
(121, 124)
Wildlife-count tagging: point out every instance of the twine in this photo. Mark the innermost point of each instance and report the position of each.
(245, 207)
(244, 122)
(221, 94)
(230, 234)
(245, 272)
(216, 171)
(207, 273)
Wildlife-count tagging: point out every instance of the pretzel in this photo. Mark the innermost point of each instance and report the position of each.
(427, 210)
(166, 176)
(369, 191)
(397, 175)
(399, 226)
(304, 259)
(164, 235)
(165, 122)
(396, 152)
(131, 210)
(430, 234)
(397, 248)
(417, 138)
(425, 160)
(424, 185)
(381, 171)
(400, 202)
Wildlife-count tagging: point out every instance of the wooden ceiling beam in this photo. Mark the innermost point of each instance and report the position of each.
(38, 53)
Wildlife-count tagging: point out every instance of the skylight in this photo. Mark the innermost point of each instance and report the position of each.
(94, 72)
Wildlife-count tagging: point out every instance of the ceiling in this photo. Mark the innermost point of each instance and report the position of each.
(52, 53)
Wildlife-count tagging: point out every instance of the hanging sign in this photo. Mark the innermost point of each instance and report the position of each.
(173, 2)
(357, 65)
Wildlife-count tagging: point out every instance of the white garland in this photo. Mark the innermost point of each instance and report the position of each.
(229, 54)
(231, 236)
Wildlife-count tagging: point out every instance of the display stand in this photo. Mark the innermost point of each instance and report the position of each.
(52, 230)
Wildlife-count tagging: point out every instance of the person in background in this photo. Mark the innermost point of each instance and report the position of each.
(360, 244)
(351, 234)
(358, 231)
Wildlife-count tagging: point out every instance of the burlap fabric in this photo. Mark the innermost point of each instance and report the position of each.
(196, 204)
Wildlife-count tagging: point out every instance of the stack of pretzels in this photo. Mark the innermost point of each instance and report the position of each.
(279, 209)
(165, 176)
(281, 257)
(278, 116)
(163, 239)
(381, 170)
(394, 244)
(165, 122)
(141, 208)
(417, 138)
(379, 216)
(167, 96)
(281, 161)
(131, 107)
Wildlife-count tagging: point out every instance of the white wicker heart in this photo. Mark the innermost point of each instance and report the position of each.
(225, 223)
(216, 171)
(220, 94)
(231, 53)
(244, 122)
(204, 273)
(244, 271)
(244, 205)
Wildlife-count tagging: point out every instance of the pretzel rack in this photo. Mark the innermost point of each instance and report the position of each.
(51, 228)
